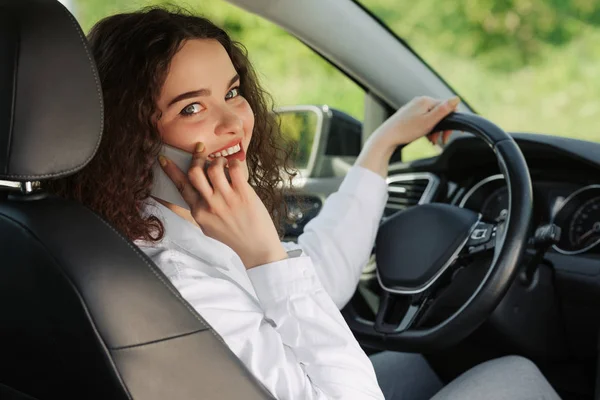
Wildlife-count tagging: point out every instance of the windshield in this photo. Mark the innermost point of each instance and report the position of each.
(527, 65)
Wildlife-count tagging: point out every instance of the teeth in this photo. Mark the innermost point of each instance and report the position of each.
(226, 152)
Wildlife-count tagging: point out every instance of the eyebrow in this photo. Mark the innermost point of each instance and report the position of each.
(199, 92)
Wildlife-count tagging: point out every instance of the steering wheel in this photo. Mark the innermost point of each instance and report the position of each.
(422, 252)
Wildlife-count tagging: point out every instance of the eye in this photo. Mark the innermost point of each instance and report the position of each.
(191, 109)
(235, 92)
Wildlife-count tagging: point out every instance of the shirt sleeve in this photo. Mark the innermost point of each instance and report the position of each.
(327, 360)
(292, 338)
(340, 239)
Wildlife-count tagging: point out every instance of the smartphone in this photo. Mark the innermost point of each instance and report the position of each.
(163, 187)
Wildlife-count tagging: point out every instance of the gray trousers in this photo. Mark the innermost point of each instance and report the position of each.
(405, 376)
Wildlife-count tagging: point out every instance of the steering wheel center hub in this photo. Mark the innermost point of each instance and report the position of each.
(424, 240)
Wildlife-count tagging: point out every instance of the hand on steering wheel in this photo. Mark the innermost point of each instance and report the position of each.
(419, 252)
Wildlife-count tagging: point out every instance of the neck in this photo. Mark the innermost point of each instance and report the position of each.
(182, 212)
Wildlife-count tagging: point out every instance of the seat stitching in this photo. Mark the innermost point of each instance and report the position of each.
(176, 293)
(84, 304)
(151, 342)
(97, 80)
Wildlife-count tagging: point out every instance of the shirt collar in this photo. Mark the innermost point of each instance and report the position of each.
(187, 236)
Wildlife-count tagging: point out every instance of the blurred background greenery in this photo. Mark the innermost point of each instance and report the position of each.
(528, 65)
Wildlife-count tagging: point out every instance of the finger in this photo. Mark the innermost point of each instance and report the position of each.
(446, 136)
(433, 137)
(432, 104)
(445, 107)
(199, 158)
(425, 103)
(180, 180)
(196, 172)
(216, 174)
(236, 172)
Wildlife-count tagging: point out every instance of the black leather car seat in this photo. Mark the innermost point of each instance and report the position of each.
(83, 313)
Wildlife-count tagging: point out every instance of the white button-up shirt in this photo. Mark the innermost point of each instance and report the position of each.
(282, 319)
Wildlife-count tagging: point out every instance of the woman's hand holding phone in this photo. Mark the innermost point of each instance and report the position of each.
(228, 210)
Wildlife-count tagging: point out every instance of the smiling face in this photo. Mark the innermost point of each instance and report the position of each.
(200, 101)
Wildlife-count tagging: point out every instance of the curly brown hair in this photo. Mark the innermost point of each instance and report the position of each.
(133, 52)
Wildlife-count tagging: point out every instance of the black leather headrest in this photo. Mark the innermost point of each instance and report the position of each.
(51, 111)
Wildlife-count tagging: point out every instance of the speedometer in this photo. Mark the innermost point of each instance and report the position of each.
(495, 207)
(579, 218)
(584, 230)
(488, 197)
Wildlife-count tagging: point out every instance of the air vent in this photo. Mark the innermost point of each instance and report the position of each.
(407, 190)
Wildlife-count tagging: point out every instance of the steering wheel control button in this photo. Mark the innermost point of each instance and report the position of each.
(482, 238)
(482, 234)
(476, 249)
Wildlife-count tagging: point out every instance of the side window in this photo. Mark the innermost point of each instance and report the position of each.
(420, 148)
(296, 77)
(290, 71)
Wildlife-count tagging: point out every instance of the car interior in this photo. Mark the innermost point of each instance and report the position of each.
(490, 248)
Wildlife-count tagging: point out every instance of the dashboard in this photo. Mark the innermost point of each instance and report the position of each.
(563, 297)
(565, 175)
(575, 209)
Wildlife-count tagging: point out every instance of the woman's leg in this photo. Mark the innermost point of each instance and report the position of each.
(506, 378)
(405, 376)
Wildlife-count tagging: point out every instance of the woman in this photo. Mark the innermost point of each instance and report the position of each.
(178, 80)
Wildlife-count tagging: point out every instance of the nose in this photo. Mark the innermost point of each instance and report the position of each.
(228, 123)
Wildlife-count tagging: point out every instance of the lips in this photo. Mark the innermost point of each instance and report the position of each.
(231, 144)
(240, 154)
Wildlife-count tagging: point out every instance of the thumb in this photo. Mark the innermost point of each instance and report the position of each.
(445, 107)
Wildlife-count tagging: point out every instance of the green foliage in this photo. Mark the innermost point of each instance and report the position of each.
(528, 65)
(504, 34)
